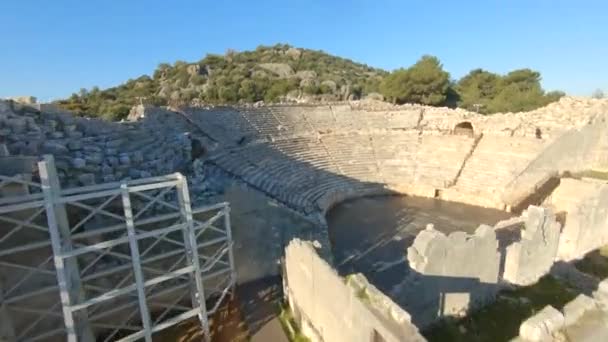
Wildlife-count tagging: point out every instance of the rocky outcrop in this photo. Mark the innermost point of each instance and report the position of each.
(280, 69)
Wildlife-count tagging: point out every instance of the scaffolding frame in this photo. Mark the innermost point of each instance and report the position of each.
(154, 249)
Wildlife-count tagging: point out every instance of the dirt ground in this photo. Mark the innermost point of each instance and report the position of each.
(250, 316)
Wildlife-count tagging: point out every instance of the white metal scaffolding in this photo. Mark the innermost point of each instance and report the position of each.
(115, 262)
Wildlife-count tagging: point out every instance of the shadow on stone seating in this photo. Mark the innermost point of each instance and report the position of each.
(298, 171)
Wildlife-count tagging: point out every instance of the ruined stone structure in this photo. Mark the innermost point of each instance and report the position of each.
(331, 309)
(586, 205)
(95, 151)
(453, 273)
(285, 166)
(583, 319)
(532, 256)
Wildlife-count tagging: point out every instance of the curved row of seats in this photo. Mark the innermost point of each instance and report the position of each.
(307, 157)
(303, 172)
(225, 124)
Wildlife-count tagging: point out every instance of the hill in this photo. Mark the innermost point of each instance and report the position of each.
(268, 73)
(283, 73)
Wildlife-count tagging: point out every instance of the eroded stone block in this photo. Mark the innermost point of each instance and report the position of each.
(575, 309)
(542, 326)
(532, 257)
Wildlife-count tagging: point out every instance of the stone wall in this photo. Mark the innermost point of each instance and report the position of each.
(89, 151)
(528, 259)
(261, 230)
(329, 310)
(583, 319)
(451, 274)
(585, 203)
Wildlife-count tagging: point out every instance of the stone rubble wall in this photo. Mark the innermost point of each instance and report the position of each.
(585, 203)
(89, 151)
(582, 319)
(456, 273)
(330, 310)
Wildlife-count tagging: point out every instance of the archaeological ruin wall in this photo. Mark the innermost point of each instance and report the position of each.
(330, 308)
(90, 151)
(585, 204)
(450, 274)
(577, 150)
(354, 149)
(535, 249)
(453, 274)
(582, 319)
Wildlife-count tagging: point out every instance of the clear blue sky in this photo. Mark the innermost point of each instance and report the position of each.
(52, 48)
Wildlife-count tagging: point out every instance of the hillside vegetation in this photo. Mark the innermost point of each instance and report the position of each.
(282, 73)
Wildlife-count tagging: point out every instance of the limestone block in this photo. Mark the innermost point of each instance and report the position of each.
(114, 143)
(75, 145)
(5, 106)
(17, 124)
(51, 125)
(74, 135)
(576, 308)
(601, 294)
(94, 158)
(4, 151)
(106, 169)
(532, 257)
(542, 326)
(586, 204)
(78, 163)
(89, 146)
(453, 273)
(112, 161)
(124, 159)
(86, 179)
(55, 148)
(56, 135)
(69, 128)
(108, 178)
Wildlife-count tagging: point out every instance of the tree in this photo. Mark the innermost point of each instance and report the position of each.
(477, 89)
(424, 82)
(598, 94)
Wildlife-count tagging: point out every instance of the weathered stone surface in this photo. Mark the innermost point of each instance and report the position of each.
(124, 159)
(86, 179)
(78, 163)
(4, 151)
(601, 294)
(332, 311)
(542, 326)
(55, 148)
(586, 206)
(575, 309)
(280, 69)
(453, 273)
(74, 145)
(532, 257)
(94, 158)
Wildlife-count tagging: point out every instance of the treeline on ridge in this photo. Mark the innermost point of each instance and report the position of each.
(283, 73)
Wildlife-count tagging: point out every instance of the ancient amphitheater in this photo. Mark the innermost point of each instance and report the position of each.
(284, 167)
